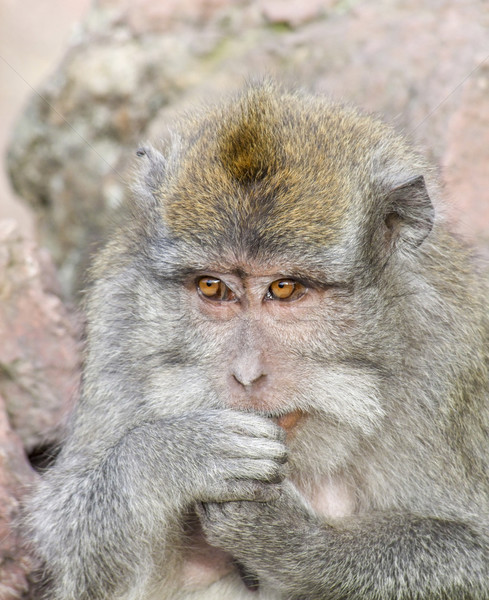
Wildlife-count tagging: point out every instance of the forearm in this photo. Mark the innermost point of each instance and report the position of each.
(393, 557)
(93, 525)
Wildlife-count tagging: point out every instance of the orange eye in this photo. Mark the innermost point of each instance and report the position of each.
(286, 289)
(214, 289)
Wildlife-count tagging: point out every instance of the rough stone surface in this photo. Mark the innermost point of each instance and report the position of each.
(39, 374)
(15, 477)
(39, 354)
(466, 161)
(133, 65)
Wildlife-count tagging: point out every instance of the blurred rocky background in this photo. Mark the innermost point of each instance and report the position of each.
(98, 79)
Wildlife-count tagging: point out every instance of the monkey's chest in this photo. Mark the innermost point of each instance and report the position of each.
(333, 498)
(203, 564)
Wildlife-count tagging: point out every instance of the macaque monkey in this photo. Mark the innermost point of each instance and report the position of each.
(285, 392)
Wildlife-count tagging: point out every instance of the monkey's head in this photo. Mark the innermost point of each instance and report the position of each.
(254, 268)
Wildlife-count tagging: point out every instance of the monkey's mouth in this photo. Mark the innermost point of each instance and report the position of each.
(289, 420)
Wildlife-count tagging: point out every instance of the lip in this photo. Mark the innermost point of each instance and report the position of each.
(289, 420)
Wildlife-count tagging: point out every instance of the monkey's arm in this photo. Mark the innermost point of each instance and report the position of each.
(101, 523)
(378, 557)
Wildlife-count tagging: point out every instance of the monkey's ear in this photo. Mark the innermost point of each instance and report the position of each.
(410, 213)
(151, 173)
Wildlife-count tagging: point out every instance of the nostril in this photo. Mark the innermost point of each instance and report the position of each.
(248, 380)
(249, 369)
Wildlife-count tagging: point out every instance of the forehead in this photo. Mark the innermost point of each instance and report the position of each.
(268, 172)
(278, 211)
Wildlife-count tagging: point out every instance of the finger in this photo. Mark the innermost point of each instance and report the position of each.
(259, 448)
(240, 490)
(266, 471)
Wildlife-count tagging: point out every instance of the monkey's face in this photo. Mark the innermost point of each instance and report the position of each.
(273, 338)
(263, 320)
(268, 232)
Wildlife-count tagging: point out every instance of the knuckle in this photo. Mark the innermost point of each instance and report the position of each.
(282, 456)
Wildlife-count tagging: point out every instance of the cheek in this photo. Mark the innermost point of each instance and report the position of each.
(349, 395)
(324, 332)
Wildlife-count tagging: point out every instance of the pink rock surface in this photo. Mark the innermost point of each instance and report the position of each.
(15, 477)
(39, 353)
(39, 373)
(466, 161)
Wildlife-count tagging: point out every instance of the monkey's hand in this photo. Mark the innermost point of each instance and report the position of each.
(253, 532)
(215, 456)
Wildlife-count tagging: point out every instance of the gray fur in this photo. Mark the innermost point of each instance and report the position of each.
(389, 364)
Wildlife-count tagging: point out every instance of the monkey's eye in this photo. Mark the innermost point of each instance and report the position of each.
(214, 289)
(286, 289)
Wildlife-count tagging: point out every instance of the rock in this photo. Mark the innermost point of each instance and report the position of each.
(295, 12)
(15, 478)
(39, 353)
(466, 160)
(39, 379)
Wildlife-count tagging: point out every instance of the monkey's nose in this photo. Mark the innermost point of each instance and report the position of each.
(247, 380)
(249, 371)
